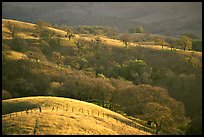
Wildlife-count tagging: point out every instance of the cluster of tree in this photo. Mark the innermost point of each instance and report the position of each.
(6, 94)
(183, 42)
(41, 22)
(43, 32)
(108, 31)
(37, 56)
(94, 30)
(12, 28)
(19, 44)
(58, 58)
(134, 71)
(101, 103)
(145, 37)
(196, 125)
(137, 29)
(161, 42)
(190, 35)
(186, 41)
(153, 104)
(70, 36)
(47, 35)
(191, 85)
(126, 38)
(80, 86)
(197, 45)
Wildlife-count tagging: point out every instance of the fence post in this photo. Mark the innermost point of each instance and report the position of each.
(98, 113)
(53, 108)
(92, 112)
(81, 110)
(26, 111)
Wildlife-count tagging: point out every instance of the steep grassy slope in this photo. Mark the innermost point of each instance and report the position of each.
(62, 116)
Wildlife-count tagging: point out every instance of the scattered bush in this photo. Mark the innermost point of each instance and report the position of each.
(138, 29)
(197, 45)
(96, 30)
(6, 94)
(38, 56)
(132, 71)
(19, 44)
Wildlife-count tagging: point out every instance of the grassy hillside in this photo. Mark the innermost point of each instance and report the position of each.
(83, 69)
(62, 116)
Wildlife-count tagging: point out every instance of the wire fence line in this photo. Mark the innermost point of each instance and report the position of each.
(74, 109)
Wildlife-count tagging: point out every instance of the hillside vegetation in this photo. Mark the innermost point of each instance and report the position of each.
(39, 60)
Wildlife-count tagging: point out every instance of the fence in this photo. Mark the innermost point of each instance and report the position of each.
(88, 112)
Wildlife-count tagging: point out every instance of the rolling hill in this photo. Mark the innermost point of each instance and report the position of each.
(87, 73)
(62, 116)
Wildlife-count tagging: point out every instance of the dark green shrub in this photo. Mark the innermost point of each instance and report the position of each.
(6, 94)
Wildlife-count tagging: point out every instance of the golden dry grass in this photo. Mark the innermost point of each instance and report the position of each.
(20, 23)
(28, 26)
(105, 40)
(67, 119)
(14, 55)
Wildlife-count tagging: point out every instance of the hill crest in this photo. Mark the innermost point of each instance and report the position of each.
(57, 115)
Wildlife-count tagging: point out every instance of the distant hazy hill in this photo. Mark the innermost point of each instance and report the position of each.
(169, 18)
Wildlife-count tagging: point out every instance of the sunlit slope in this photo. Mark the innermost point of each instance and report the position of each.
(27, 30)
(61, 116)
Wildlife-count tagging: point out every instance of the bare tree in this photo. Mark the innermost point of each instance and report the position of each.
(12, 28)
(70, 35)
(125, 39)
(98, 40)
